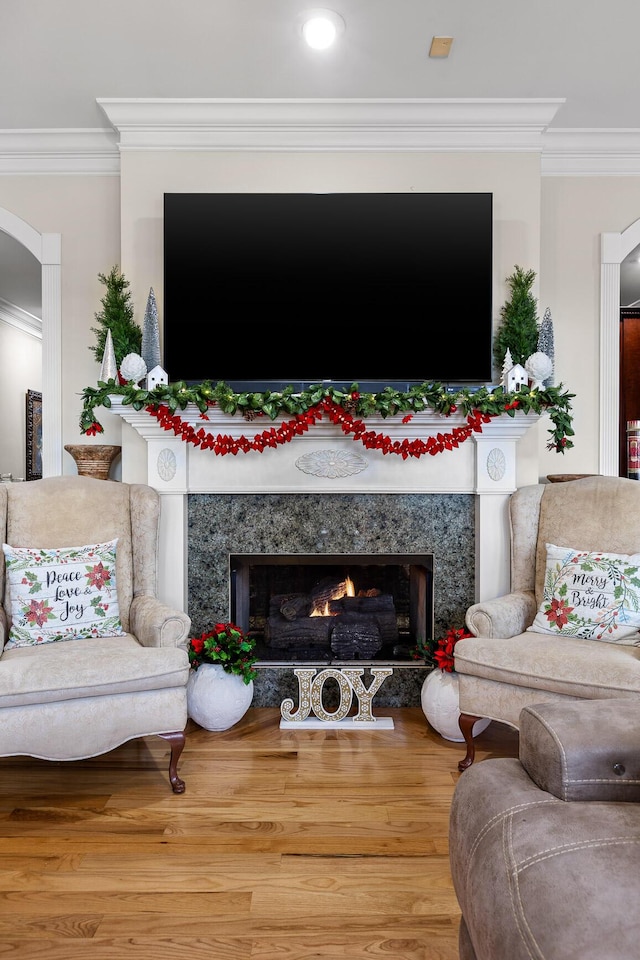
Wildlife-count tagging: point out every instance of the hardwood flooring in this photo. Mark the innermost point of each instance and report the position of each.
(286, 845)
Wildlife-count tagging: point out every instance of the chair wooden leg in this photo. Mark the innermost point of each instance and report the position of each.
(177, 741)
(466, 724)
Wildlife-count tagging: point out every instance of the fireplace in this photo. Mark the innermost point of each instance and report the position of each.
(285, 501)
(333, 609)
(421, 548)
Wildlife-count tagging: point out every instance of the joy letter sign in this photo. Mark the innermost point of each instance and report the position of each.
(310, 690)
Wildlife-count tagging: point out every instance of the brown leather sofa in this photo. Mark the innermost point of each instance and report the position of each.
(545, 850)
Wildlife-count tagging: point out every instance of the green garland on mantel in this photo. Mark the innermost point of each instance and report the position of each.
(433, 396)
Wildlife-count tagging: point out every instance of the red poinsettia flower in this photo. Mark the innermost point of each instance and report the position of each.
(98, 576)
(38, 613)
(558, 613)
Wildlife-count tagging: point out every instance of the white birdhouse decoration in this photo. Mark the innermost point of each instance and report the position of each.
(516, 377)
(156, 377)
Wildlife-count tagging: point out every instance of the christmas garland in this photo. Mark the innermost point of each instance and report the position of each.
(347, 409)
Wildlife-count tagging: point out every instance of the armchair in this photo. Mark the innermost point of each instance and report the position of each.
(506, 665)
(67, 690)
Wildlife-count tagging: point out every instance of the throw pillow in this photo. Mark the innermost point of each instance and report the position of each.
(62, 594)
(591, 595)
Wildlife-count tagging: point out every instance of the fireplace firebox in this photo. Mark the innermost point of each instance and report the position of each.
(333, 609)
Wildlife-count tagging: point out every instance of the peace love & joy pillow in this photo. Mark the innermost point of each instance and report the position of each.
(62, 594)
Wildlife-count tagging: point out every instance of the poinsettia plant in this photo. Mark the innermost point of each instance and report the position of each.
(439, 653)
(227, 646)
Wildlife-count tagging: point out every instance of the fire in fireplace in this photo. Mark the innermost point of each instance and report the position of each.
(333, 608)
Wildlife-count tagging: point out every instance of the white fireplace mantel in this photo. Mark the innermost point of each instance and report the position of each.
(324, 460)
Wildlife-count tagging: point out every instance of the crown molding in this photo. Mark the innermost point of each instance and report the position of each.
(591, 153)
(20, 319)
(332, 124)
(59, 151)
(318, 125)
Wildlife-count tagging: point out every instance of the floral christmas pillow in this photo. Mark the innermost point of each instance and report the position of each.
(62, 594)
(591, 595)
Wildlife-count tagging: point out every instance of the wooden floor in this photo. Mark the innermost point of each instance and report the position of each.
(286, 845)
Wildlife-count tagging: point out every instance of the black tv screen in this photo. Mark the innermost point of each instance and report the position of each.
(269, 289)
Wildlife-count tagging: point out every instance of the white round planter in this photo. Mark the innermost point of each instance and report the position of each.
(439, 698)
(217, 699)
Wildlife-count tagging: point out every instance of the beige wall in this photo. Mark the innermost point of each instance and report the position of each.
(551, 225)
(575, 212)
(85, 211)
(21, 365)
(514, 180)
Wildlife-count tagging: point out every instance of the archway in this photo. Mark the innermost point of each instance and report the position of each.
(614, 248)
(45, 247)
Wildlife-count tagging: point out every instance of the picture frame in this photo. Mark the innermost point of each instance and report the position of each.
(33, 469)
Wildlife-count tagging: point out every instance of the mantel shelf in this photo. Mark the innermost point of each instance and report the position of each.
(421, 425)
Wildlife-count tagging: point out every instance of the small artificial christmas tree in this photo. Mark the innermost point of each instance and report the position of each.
(109, 369)
(519, 330)
(116, 315)
(545, 342)
(151, 334)
(506, 366)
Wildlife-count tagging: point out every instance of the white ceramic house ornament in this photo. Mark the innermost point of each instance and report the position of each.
(156, 377)
(515, 378)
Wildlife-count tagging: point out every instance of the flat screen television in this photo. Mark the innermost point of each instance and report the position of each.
(263, 290)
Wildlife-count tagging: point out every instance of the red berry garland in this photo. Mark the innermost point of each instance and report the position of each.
(285, 433)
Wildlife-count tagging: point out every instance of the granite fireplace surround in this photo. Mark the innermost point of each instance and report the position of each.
(324, 494)
(221, 525)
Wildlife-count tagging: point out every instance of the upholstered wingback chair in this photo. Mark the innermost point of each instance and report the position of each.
(550, 639)
(90, 658)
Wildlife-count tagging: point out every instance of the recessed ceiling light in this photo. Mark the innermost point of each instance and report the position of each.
(320, 28)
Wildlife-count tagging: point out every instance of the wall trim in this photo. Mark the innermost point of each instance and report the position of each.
(458, 125)
(333, 124)
(21, 319)
(59, 151)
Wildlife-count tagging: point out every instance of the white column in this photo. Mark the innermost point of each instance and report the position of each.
(167, 471)
(495, 482)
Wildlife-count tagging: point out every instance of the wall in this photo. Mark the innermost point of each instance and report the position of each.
(85, 211)
(21, 371)
(575, 211)
(551, 224)
(514, 180)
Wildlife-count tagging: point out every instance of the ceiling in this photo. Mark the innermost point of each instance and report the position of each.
(57, 59)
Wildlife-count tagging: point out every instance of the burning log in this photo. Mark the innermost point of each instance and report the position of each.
(296, 606)
(330, 589)
(304, 631)
(356, 639)
(351, 626)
